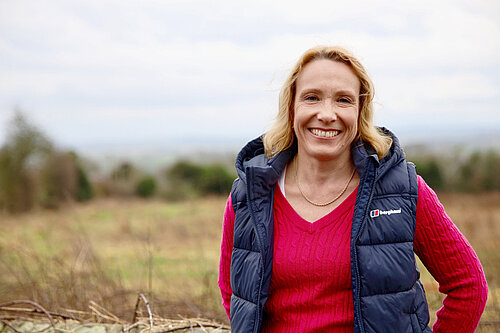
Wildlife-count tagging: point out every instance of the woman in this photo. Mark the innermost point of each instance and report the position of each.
(321, 226)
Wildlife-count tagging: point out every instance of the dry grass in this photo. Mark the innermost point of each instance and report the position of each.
(478, 218)
(108, 251)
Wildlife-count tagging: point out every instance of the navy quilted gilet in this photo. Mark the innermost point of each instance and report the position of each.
(387, 293)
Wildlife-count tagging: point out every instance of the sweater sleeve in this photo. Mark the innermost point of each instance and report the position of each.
(225, 255)
(452, 262)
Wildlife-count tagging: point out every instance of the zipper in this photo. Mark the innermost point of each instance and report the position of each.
(358, 283)
(259, 240)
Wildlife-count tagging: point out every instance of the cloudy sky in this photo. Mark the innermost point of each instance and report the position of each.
(110, 72)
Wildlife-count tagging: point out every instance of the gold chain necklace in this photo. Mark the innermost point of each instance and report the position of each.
(326, 203)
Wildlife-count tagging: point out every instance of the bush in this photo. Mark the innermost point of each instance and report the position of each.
(215, 179)
(430, 171)
(58, 180)
(474, 171)
(146, 187)
(62, 180)
(84, 190)
(185, 172)
(479, 172)
(187, 179)
(122, 181)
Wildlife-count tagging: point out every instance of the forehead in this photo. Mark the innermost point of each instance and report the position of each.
(328, 74)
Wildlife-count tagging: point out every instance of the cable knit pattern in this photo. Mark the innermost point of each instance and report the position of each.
(311, 279)
(312, 261)
(452, 262)
(225, 255)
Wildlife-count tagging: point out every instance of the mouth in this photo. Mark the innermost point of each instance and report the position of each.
(323, 133)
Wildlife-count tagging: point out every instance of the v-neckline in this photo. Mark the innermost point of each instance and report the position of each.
(322, 222)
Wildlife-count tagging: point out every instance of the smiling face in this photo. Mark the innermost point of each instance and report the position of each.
(326, 108)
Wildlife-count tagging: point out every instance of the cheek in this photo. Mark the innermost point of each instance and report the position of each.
(297, 117)
(350, 118)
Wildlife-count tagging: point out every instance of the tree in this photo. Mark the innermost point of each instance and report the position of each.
(25, 149)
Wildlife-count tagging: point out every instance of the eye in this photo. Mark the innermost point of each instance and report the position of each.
(345, 100)
(311, 98)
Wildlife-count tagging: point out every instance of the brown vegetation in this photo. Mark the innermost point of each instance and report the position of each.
(108, 250)
(20, 316)
(478, 218)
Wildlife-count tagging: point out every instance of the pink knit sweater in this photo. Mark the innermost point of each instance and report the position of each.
(311, 279)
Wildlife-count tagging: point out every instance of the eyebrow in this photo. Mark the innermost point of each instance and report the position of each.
(310, 90)
(319, 91)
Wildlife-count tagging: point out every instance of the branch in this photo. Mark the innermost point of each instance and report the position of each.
(36, 311)
(96, 308)
(139, 297)
(41, 308)
(191, 326)
(9, 326)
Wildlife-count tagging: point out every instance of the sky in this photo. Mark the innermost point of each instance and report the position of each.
(97, 72)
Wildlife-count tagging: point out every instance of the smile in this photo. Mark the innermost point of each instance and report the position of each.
(324, 134)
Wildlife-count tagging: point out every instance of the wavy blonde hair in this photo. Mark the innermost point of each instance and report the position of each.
(281, 135)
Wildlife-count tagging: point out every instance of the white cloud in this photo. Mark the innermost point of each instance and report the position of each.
(196, 62)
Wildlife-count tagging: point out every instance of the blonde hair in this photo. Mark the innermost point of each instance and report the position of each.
(281, 135)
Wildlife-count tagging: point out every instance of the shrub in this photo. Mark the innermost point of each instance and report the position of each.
(479, 172)
(215, 179)
(122, 181)
(187, 179)
(185, 172)
(430, 171)
(146, 187)
(84, 190)
(58, 180)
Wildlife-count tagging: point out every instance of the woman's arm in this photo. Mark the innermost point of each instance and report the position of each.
(225, 255)
(452, 262)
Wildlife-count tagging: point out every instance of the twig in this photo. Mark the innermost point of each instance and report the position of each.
(134, 325)
(36, 311)
(203, 328)
(9, 326)
(149, 310)
(194, 322)
(134, 317)
(97, 309)
(108, 313)
(139, 297)
(35, 305)
(190, 326)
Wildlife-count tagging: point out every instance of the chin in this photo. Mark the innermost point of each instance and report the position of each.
(326, 156)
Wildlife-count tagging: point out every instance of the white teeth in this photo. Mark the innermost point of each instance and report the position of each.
(324, 134)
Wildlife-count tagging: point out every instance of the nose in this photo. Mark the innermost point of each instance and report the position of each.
(327, 112)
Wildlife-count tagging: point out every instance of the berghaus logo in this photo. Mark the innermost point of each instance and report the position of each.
(378, 212)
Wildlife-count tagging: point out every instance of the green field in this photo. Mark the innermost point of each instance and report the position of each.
(107, 251)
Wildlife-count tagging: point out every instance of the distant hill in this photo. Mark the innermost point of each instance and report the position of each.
(152, 156)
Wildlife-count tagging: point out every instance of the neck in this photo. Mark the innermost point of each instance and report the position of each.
(321, 172)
